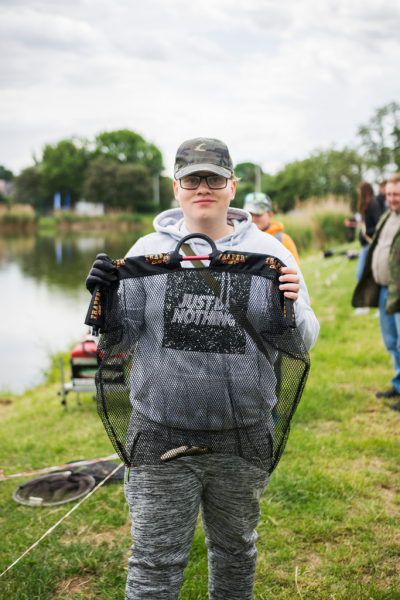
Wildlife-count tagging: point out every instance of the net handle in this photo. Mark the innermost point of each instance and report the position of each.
(94, 316)
(201, 236)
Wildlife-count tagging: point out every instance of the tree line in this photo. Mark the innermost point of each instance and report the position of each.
(118, 169)
(332, 171)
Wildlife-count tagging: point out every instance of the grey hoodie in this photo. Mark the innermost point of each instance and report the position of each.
(170, 385)
(170, 228)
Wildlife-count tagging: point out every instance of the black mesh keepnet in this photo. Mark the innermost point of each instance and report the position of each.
(198, 360)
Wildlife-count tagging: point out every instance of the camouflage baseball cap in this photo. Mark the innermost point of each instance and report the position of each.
(257, 203)
(203, 154)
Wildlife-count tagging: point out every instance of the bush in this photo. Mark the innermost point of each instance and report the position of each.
(18, 218)
(148, 207)
(130, 217)
(70, 217)
(301, 233)
(332, 226)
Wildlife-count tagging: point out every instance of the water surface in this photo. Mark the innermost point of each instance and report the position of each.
(43, 298)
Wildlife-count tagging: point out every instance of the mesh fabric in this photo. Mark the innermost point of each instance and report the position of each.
(198, 360)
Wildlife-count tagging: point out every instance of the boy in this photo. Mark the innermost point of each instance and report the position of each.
(164, 500)
(260, 207)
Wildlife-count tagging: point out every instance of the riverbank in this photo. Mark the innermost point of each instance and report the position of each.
(329, 524)
(66, 222)
(313, 227)
(20, 218)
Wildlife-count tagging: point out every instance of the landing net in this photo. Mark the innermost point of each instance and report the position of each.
(198, 360)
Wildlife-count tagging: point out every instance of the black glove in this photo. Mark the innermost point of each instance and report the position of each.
(100, 274)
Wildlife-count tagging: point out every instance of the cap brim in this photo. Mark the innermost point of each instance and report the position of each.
(254, 209)
(196, 168)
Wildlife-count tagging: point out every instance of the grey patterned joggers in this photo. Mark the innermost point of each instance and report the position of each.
(164, 502)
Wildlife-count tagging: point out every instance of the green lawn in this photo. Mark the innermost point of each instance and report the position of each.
(330, 516)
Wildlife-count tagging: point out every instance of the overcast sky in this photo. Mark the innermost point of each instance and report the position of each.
(273, 79)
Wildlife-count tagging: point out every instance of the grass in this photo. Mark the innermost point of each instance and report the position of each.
(330, 517)
(120, 221)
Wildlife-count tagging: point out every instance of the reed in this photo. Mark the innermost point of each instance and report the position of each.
(316, 223)
(20, 218)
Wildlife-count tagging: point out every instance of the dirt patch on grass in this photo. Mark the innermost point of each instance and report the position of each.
(5, 401)
(326, 427)
(389, 506)
(326, 318)
(383, 424)
(347, 387)
(74, 585)
(314, 561)
(108, 536)
(374, 464)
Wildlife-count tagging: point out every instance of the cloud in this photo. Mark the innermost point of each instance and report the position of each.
(274, 80)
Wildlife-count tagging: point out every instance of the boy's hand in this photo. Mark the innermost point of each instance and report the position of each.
(290, 283)
(101, 272)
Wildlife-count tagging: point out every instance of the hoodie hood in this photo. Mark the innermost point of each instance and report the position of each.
(172, 223)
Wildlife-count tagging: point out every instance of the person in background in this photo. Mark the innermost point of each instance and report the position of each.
(371, 211)
(381, 197)
(351, 226)
(379, 285)
(260, 207)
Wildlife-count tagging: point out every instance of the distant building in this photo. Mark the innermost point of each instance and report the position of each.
(89, 209)
(6, 187)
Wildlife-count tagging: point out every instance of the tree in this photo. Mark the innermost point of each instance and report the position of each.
(117, 186)
(241, 190)
(380, 138)
(100, 183)
(166, 192)
(246, 172)
(134, 186)
(293, 182)
(330, 171)
(30, 188)
(63, 167)
(126, 146)
(338, 172)
(6, 174)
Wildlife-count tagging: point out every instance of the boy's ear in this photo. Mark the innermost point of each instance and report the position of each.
(233, 189)
(176, 189)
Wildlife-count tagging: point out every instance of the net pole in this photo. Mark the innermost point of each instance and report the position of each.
(78, 463)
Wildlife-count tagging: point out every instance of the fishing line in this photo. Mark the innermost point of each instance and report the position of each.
(339, 270)
(78, 463)
(64, 517)
(330, 262)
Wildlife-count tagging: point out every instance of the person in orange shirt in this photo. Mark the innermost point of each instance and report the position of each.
(260, 207)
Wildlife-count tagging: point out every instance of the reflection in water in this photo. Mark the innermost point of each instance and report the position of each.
(58, 252)
(44, 299)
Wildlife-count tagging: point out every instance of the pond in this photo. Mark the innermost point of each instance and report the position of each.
(44, 299)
